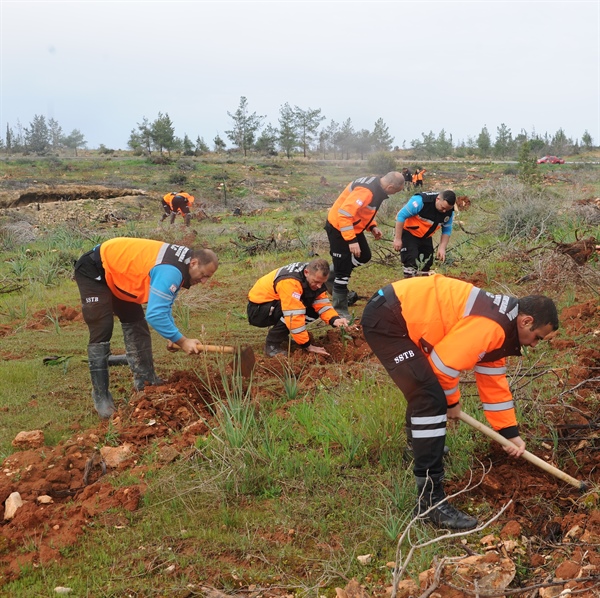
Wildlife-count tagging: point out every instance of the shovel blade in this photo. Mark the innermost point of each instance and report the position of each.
(246, 360)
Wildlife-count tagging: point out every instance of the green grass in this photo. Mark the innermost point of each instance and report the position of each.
(286, 491)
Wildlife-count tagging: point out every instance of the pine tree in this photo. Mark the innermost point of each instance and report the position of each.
(382, 140)
(245, 127)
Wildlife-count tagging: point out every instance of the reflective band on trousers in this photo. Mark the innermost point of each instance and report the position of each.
(427, 421)
(498, 406)
(294, 312)
(480, 369)
(428, 433)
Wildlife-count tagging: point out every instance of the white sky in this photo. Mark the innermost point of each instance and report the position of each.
(101, 66)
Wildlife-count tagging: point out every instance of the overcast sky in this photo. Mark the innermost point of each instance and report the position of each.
(101, 66)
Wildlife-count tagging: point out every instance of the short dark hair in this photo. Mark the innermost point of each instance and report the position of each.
(318, 265)
(204, 256)
(449, 197)
(542, 309)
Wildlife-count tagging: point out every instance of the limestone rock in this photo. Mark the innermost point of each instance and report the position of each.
(12, 503)
(29, 440)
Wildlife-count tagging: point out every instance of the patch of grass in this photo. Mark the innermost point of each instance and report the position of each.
(302, 470)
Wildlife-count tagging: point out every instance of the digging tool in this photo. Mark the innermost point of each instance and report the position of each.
(561, 475)
(244, 356)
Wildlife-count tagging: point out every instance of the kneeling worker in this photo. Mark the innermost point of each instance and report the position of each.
(116, 278)
(287, 299)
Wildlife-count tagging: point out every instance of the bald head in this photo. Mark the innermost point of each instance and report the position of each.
(392, 182)
(205, 256)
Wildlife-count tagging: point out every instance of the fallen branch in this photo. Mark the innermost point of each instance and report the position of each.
(399, 571)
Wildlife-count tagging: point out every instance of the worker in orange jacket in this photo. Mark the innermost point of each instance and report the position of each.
(287, 299)
(352, 213)
(116, 278)
(416, 223)
(418, 177)
(177, 203)
(425, 331)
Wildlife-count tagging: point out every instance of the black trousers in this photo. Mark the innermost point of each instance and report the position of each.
(343, 260)
(98, 304)
(416, 254)
(386, 333)
(179, 204)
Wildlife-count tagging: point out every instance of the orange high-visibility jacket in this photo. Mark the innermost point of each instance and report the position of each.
(420, 174)
(354, 210)
(460, 327)
(288, 285)
(168, 198)
(127, 263)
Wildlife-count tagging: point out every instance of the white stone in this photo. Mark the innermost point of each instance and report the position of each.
(12, 503)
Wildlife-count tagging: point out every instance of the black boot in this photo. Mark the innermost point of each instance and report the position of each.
(172, 217)
(187, 219)
(98, 363)
(444, 515)
(138, 345)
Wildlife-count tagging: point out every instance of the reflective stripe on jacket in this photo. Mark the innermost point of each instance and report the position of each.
(354, 210)
(128, 261)
(289, 285)
(461, 327)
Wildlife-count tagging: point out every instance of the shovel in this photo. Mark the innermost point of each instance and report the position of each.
(244, 356)
(561, 475)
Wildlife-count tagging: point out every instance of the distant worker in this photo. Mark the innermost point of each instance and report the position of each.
(425, 332)
(116, 278)
(177, 203)
(417, 177)
(288, 299)
(352, 213)
(407, 174)
(415, 224)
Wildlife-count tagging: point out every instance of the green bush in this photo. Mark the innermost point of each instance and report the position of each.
(382, 163)
(529, 216)
(178, 178)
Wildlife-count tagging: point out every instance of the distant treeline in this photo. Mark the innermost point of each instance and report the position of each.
(298, 132)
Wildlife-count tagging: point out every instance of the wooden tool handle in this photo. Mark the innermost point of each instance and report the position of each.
(471, 421)
(216, 348)
(173, 347)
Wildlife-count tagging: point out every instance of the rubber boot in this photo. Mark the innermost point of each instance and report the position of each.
(172, 218)
(98, 363)
(187, 219)
(138, 346)
(431, 492)
(329, 282)
(339, 300)
(164, 217)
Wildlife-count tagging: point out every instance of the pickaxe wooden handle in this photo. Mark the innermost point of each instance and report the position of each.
(471, 421)
(246, 357)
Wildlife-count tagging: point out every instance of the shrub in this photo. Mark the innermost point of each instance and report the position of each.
(382, 163)
(528, 216)
(178, 178)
